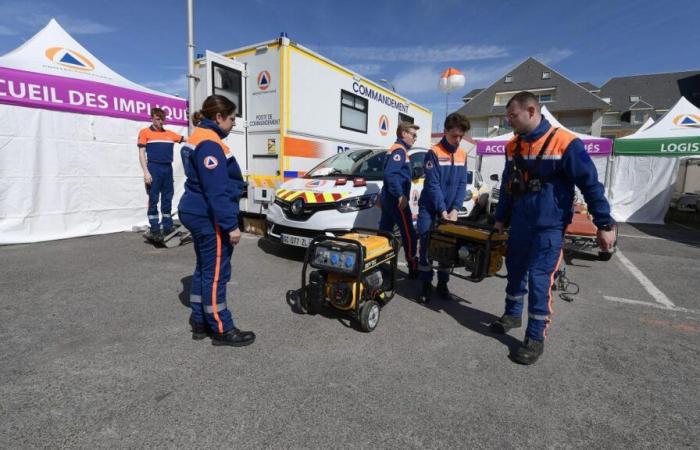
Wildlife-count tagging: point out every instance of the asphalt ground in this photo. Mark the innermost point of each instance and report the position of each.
(96, 352)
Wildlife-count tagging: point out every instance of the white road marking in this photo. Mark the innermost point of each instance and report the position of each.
(641, 237)
(659, 296)
(653, 305)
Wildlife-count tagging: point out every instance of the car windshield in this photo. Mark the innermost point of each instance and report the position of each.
(366, 163)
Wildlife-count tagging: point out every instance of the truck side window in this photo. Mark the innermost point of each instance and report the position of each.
(353, 112)
(228, 82)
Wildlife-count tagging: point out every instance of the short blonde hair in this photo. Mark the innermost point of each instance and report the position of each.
(405, 126)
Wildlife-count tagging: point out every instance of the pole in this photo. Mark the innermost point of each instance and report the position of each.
(447, 97)
(190, 63)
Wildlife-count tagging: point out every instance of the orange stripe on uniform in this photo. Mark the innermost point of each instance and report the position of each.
(216, 281)
(549, 303)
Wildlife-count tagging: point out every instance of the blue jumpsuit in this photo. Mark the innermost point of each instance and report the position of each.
(159, 153)
(538, 219)
(209, 209)
(444, 190)
(397, 183)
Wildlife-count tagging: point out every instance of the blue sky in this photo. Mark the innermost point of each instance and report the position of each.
(409, 42)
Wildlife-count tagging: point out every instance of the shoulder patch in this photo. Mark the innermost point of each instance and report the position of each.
(429, 165)
(210, 162)
(397, 157)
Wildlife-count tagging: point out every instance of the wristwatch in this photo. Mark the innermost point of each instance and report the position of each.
(608, 227)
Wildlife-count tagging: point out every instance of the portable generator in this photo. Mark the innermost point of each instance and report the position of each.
(477, 248)
(354, 273)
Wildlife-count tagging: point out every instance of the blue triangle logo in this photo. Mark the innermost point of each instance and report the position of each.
(69, 59)
(687, 121)
(263, 79)
(383, 126)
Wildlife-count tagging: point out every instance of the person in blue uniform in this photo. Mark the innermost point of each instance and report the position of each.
(444, 191)
(209, 209)
(155, 145)
(537, 192)
(396, 193)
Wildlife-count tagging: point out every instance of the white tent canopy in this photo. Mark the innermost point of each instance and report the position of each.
(646, 164)
(68, 128)
(598, 148)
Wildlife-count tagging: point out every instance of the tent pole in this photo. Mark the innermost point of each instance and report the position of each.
(190, 64)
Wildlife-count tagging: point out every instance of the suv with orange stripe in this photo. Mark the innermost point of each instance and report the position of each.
(340, 193)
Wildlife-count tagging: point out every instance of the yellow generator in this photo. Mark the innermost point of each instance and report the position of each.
(354, 273)
(477, 248)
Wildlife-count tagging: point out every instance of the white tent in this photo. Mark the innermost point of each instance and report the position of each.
(598, 148)
(646, 164)
(68, 128)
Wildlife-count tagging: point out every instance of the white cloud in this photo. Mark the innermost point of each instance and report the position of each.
(416, 81)
(553, 55)
(366, 69)
(418, 54)
(84, 26)
(175, 86)
(6, 31)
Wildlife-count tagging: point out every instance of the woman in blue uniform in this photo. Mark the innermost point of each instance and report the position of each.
(209, 209)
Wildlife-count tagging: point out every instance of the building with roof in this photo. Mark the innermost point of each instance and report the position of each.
(575, 105)
(634, 99)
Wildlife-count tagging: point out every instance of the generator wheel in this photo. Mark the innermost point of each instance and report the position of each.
(369, 315)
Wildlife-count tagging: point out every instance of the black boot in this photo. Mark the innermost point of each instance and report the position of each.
(529, 352)
(234, 337)
(505, 324)
(425, 292)
(199, 331)
(443, 291)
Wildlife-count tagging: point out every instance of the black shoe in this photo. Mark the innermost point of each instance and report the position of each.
(529, 352)
(167, 231)
(412, 274)
(200, 331)
(234, 337)
(443, 291)
(150, 235)
(158, 237)
(426, 292)
(505, 324)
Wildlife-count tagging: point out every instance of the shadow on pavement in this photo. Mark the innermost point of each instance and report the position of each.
(184, 295)
(281, 251)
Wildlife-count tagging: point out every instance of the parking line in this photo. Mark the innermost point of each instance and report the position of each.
(659, 296)
(653, 305)
(640, 237)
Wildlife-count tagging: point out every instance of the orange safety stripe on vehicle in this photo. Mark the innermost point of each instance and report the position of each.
(263, 181)
(549, 304)
(311, 197)
(301, 148)
(219, 325)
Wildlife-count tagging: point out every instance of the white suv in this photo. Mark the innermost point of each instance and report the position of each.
(342, 193)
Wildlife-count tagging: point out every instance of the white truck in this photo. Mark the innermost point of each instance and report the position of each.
(296, 108)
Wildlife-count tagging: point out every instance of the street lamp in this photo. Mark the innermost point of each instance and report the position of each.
(388, 83)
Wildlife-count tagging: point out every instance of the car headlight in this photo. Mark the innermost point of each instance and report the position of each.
(357, 203)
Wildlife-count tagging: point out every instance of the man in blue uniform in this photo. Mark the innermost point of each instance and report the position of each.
(396, 193)
(156, 156)
(537, 192)
(444, 191)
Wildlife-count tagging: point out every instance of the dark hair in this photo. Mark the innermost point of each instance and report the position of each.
(456, 120)
(213, 105)
(523, 98)
(158, 112)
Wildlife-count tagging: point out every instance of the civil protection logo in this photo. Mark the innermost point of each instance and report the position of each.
(383, 125)
(68, 58)
(264, 80)
(687, 120)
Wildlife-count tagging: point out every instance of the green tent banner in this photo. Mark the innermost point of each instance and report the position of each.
(673, 147)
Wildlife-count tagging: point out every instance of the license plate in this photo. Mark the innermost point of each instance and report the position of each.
(298, 241)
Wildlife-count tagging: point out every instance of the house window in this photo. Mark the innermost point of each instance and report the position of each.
(543, 98)
(353, 112)
(634, 98)
(611, 120)
(546, 75)
(406, 118)
(509, 79)
(638, 117)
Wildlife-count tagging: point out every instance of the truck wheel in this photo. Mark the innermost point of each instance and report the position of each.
(369, 315)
